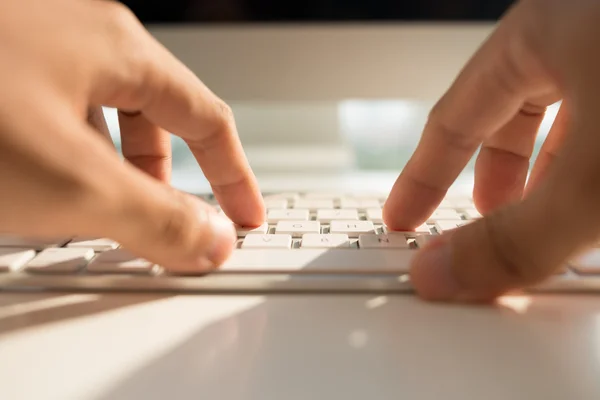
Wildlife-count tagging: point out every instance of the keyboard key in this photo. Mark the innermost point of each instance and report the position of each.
(321, 196)
(276, 241)
(243, 231)
(313, 204)
(359, 203)
(422, 240)
(297, 228)
(352, 228)
(318, 261)
(443, 214)
(371, 241)
(14, 259)
(471, 213)
(447, 225)
(32, 243)
(60, 260)
(119, 262)
(588, 263)
(314, 240)
(276, 204)
(326, 216)
(289, 196)
(94, 244)
(375, 215)
(274, 216)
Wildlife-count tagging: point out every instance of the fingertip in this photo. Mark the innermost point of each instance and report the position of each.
(223, 241)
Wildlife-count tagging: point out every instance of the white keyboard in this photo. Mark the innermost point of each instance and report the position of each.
(310, 242)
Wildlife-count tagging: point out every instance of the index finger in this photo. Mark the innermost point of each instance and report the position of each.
(486, 95)
(151, 80)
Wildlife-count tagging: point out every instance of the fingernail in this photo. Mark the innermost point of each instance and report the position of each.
(224, 237)
(432, 272)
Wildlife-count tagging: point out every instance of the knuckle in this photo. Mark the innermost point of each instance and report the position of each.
(224, 116)
(129, 40)
(452, 136)
(120, 17)
(509, 74)
(223, 127)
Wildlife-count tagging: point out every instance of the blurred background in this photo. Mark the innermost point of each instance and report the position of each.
(322, 86)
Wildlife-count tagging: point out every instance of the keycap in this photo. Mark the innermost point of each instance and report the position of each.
(67, 260)
(243, 231)
(352, 228)
(446, 225)
(313, 204)
(13, 259)
(321, 196)
(318, 261)
(315, 240)
(290, 196)
(276, 204)
(326, 216)
(444, 214)
(31, 243)
(471, 213)
(274, 216)
(94, 244)
(422, 229)
(422, 240)
(372, 241)
(119, 261)
(297, 228)
(276, 241)
(375, 215)
(588, 263)
(359, 203)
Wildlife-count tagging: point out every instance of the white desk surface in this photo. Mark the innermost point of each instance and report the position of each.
(101, 347)
(296, 347)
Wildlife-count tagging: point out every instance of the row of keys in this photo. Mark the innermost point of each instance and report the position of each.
(328, 240)
(350, 227)
(97, 245)
(457, 202)
(298, 228)
(72, 260)
(314, 204)
(374, 215)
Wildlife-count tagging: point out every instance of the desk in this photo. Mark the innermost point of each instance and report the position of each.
(296, 347)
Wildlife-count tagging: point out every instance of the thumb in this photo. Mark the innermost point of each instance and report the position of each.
(173, 229)
(515, 247)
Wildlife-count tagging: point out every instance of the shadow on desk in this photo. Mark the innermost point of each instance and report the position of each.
(386, 347)
(20, 311)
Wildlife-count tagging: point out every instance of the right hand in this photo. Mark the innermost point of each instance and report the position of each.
(58, 177)
(541, 52)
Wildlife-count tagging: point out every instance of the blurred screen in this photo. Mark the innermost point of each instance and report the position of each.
(372, 135)
(194, 11)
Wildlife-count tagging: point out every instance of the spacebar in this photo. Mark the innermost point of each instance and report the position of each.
(366, 261)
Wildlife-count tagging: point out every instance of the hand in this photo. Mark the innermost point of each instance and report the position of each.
(59, 177)
(541, 52)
